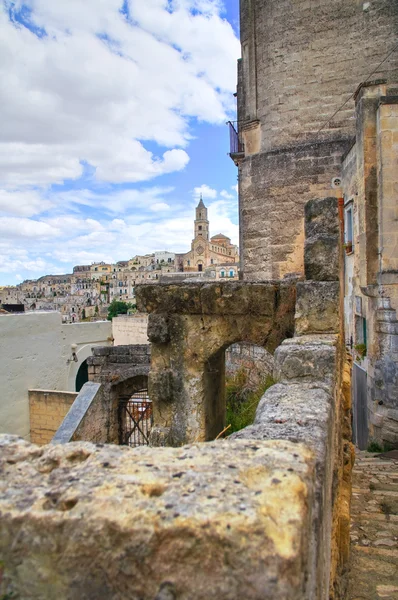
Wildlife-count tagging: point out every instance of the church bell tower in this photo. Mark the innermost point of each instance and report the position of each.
(201, 222)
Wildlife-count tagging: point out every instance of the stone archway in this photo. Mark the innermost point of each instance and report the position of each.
(190, 326)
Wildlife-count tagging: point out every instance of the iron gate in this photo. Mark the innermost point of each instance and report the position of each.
(135, 419)
(360, 407)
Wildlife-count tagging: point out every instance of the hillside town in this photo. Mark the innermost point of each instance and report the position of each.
(87, 293)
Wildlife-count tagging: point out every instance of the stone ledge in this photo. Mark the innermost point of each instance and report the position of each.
(215, 521)
(221, 298)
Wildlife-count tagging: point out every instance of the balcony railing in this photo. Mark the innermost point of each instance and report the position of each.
(236, 145)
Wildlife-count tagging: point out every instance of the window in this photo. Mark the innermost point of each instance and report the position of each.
(231, 273)
(222, 273)
(188, 263)
(349, 229)
(211, 261)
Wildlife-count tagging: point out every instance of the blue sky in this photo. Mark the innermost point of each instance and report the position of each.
(113, 123)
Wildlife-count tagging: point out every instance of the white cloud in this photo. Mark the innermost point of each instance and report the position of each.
(13, 227)
(205, 191)
(23, 203)
(99, 85)
(226, 195)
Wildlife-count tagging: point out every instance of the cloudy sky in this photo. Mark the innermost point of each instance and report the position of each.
(112, 123)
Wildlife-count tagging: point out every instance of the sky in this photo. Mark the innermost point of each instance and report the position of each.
(113, 120)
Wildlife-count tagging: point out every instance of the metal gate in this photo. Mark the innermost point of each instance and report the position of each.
(360, 407)
(135, 419)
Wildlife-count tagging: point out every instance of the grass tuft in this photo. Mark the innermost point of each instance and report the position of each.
(242, 398)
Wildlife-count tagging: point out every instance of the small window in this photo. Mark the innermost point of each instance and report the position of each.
(349, 229)
(222, 273)
(231, 273)
(200, 227)
(211, 261)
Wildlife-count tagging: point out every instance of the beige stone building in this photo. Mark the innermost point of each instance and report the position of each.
(204, 251)
(370, 192)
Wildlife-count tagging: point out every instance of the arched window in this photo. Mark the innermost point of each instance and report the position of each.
(222, 273)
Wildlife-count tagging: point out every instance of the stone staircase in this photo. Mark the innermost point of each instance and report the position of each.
(374, 528)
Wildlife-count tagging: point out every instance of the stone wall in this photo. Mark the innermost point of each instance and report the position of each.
(130, 329)
(47, 410)
(254, 360)
(300, 62)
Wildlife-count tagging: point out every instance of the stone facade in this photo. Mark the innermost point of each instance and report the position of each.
(297, 69)
(369, 185)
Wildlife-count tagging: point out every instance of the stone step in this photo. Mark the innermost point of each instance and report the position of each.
(378, 517)
(378, 487)
(379, 552)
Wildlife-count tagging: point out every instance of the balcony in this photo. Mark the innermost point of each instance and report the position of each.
(236, 145)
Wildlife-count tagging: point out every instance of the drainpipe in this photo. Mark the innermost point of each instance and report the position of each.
(340, 203)
(341, 218)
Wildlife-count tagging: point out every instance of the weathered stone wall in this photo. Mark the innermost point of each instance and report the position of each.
(273, 189)
(190, 326)
(254, 360)
(300, 62)
(47, 410)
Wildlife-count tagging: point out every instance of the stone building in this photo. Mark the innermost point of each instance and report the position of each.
(302, 130)
(300, 63)
(370, 190)
(204, 251)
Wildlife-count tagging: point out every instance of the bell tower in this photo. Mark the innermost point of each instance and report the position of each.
(201, 222)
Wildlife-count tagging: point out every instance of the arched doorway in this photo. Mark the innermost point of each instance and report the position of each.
(81, 376)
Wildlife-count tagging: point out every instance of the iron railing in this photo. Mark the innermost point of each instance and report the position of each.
(135, 419)
(236, 145)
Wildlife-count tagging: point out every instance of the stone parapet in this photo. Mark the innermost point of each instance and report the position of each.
(214, 521)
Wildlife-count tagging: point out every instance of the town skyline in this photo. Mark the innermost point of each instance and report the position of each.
(105, 152)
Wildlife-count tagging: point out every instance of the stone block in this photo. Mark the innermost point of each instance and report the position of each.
(321, 218)
(299, 413)
(306, 359)
(102, 350)
(214, 521)
(317, 307)
(158, 329)
(321, 258)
